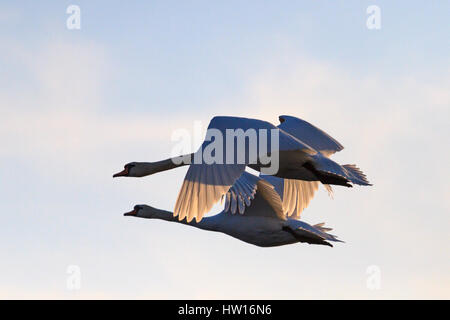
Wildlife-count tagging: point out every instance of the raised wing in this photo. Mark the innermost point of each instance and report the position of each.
(253, 196)
(241, 193)
(309, 134)
(230, 144)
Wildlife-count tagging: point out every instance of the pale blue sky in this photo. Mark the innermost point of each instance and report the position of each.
(78, 104)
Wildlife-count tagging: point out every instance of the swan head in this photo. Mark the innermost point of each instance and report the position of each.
(135, 169)
(141, 211)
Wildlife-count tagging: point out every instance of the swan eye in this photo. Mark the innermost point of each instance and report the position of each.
(137, 208)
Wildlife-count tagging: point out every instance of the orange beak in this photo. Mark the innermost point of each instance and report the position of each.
(131, 213)
(124, 172)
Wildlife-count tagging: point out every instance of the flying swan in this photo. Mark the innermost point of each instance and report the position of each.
(303, 151)
(264, 222)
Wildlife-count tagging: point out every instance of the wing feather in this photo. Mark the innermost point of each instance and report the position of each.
(253, 186)
(204, 185)
(295, 194)
(301, 193)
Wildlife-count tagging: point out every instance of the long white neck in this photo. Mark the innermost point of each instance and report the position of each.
(207, 223)
(147, 168)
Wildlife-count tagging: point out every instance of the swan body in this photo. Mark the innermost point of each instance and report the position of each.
(303, 152)
(259, 231)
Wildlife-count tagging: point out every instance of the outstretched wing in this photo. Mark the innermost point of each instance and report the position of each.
(296, 196)
(217, 165)
(309, 134)
(202, 187)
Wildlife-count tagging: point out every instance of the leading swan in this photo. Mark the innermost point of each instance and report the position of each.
(303, 152)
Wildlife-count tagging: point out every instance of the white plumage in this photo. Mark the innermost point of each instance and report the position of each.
(260, 210)
(262, 224)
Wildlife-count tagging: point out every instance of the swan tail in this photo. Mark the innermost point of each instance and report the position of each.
(356, 175)
(330, 172)
(325, 230)
(316, 234)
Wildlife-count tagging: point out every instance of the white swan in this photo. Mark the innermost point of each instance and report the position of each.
(304, 152)
(263, 224)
